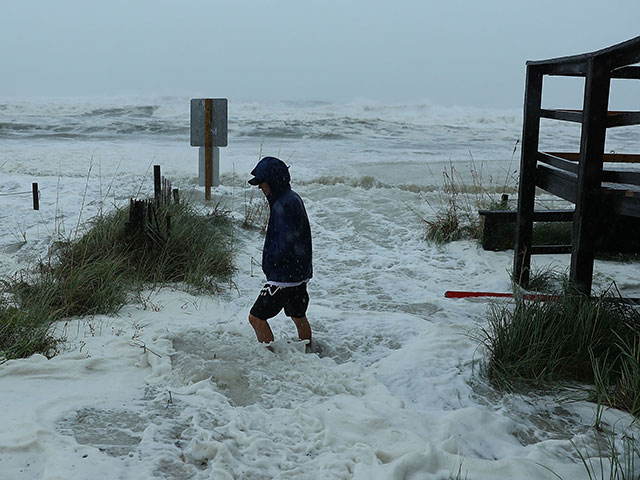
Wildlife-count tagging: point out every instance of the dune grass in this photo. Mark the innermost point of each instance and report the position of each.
(24, 332)
(106, 266)
(451, 224)
(570, 338)
(456, 218)
(538, 344)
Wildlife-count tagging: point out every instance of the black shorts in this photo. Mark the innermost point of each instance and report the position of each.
(272, 299)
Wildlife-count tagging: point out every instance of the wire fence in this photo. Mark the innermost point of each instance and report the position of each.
(35, 193)
(15, 193)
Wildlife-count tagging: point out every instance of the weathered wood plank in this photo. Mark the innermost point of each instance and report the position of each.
(527, 183)
(606, 157)
(538, 215)
(631, 71)
(621, 54)
(585, 225)
(623, 119)
(550, 249)
(560, 183)
(614, 118)
(621, 176)
(558, 162)
(566, 115)
(576, 67)
(622, 202)
(499, 226)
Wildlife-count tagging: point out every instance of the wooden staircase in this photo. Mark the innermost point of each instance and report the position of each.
(603, 197)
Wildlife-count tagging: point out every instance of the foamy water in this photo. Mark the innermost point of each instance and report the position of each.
(177, 387)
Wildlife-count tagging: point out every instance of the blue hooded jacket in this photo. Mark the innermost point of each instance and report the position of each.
(286, 256)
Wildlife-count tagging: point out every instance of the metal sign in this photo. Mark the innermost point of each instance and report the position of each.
(219, 121)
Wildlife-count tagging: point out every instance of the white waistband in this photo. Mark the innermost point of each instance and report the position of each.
(287, 284)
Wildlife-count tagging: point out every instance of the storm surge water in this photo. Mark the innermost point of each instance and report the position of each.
(177, 387)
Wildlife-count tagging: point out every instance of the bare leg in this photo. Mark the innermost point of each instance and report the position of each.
(262, 329)
(304, 329)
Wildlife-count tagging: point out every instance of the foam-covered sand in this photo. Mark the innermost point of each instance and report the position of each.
(177, 387)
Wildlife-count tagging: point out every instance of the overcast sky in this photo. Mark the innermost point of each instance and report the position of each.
(449, 52)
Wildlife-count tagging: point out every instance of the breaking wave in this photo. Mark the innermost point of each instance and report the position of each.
(169, 118)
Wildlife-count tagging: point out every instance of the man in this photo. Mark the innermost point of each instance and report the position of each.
(286, 256)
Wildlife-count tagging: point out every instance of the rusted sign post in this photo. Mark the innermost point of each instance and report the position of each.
(209, 132)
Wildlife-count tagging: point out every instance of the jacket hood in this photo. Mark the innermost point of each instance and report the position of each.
(275, 172)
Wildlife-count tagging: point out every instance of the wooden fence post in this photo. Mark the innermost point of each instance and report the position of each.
(36, 196)
(136, 215)
(157, 183)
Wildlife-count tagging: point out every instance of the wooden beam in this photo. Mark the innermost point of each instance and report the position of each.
(573, 68)
(550, 249)
(623, 119)
(527, 183)
(616, 56)
(557, 182)
(631, 72)
(621, 54)
(614, 118)
(567, 115)
(504, 216)
(592, 141)
(606, 157)
(558, 162)
(623, 202)
(621, 176)
(564, 185)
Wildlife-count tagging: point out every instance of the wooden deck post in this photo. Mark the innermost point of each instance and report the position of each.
(588, 212)
(527, 182)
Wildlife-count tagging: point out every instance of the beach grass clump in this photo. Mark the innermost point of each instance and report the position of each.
(24, 332)
(456, 217)
(180, 245)
(548, 279)
(107, 265)
(256, 212)
(615, 457)
(620, 388)
(33, 301)
(451, 224)
(93, 285)
(567, 338)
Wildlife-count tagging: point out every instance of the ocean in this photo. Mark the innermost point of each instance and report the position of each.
(398, 391)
